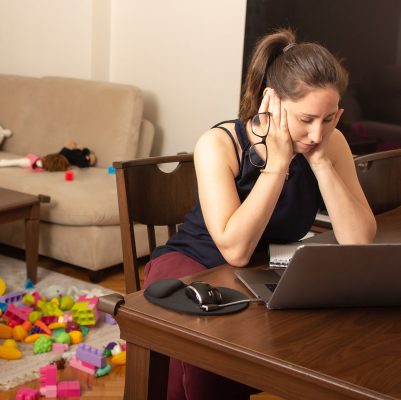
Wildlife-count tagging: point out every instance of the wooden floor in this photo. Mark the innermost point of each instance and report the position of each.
(110, 387)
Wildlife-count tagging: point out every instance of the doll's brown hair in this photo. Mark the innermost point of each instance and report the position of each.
(55, 162)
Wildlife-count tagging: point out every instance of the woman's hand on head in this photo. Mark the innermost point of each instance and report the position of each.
(319, 154)
(280, 149)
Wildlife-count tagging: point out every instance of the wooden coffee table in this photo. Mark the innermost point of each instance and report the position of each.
(16, 205)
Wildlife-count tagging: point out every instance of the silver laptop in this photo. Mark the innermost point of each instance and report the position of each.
(331, 275)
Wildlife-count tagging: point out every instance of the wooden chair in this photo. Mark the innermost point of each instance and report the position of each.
(152, 197)
(380, 178)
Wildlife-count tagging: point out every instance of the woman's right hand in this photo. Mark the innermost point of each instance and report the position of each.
(280, 149)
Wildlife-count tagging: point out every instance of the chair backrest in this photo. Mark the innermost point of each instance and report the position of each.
(380, 178)
(153, 197)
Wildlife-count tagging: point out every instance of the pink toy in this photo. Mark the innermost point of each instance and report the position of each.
(82, 366)
(68, 389)
(27, 394)
(17, 315)
(59, 348)
(48, 381)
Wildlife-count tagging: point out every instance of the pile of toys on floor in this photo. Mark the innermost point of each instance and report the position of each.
(53, 324)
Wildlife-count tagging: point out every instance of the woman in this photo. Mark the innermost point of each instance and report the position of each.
(262, 178)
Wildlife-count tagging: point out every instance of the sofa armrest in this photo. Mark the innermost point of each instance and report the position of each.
(145, 141)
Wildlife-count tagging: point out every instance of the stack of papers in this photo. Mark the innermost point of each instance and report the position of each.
(281, 254)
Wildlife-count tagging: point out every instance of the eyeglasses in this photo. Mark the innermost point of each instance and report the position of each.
(260, 126)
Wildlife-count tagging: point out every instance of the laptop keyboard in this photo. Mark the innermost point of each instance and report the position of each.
(271, 286)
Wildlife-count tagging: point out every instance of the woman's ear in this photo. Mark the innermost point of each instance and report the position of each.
(267, 90)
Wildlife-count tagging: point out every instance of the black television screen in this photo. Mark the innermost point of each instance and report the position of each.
(366, 34)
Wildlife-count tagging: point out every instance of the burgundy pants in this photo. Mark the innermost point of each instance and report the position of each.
(185, 381)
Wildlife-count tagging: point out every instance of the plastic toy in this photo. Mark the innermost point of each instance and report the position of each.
(27, 394)
(42, 345)
(29, 284)
(109, 319)
(10, 343)
(85, 310)
(12, 297)
(103, 371)
(90, 355)
(76, 337)
(63, 337)
(4, 133)
(111, 170)
(6, 332)
(120, 358)
(16, 315)
(68, 389)
(19, 333)
(48, 381)
(69, 175)
(9, 353)
(3, 287)
(59, 348)
(34, 337)
(82, 366)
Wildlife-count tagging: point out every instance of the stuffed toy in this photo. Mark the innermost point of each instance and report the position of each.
(4, 133)
(71, 154)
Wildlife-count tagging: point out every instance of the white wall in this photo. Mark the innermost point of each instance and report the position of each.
(185, 55)
(46, 37)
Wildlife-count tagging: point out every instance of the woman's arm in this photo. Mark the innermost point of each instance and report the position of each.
(350, 214)
(235, 228)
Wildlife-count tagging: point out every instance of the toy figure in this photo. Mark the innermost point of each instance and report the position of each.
(71, 154)
(4, 133)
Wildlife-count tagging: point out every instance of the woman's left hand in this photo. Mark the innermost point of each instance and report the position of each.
(319, 153)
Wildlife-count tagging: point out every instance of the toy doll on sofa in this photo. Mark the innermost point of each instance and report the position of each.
(71, 154)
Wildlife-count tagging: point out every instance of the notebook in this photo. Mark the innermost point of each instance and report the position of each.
(331, 275)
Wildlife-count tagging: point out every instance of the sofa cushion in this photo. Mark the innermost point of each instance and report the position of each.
(89, 199)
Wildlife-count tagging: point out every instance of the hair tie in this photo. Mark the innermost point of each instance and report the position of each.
(288, 47)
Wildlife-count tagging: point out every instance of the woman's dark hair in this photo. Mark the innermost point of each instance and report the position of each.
(291, 69)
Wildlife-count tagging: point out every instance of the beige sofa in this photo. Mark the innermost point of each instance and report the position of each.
(81, 223)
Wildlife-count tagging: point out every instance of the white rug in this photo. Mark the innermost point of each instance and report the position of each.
(16, 372)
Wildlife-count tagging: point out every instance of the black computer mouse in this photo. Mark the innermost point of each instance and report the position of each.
(164, 287)
(203, 293)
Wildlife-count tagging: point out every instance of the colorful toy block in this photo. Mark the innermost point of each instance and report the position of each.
(48, 381)
(59, 348)
(48, 375)
(90, 355)
(12, 297)
(85, 310)
(16, 315)
(68, 389)
(82, 366)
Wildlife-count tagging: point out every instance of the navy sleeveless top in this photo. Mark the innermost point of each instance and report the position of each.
(292, 217)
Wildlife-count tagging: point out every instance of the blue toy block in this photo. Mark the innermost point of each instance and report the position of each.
(29, 284)
(111, 170)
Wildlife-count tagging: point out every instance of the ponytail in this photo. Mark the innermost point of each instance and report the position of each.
(289, 68)
(266, 51)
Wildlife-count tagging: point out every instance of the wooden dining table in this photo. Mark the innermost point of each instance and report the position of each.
(315, 354)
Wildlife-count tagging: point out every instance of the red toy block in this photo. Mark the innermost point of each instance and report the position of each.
(27, 394)
(69, 175)
(68, 389)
